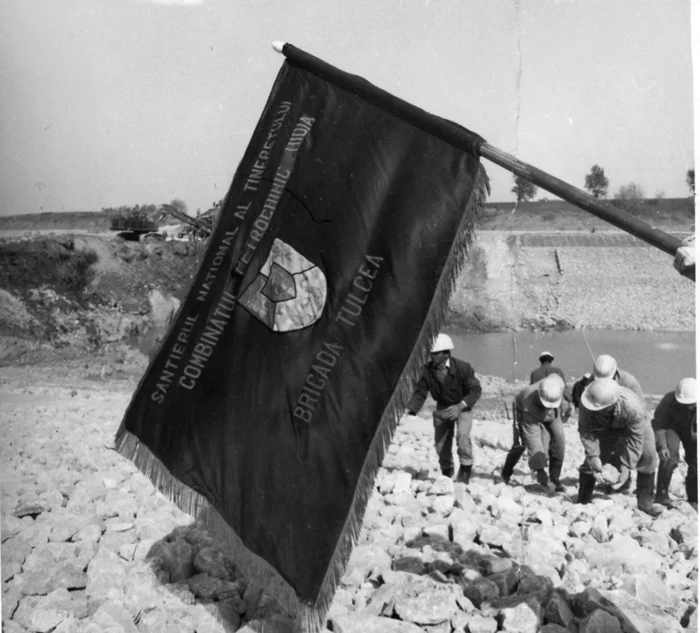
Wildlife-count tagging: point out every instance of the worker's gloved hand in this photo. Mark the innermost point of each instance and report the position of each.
(684, 258)
(542, 478)
(622, 480)
(452, 412)
(664, 453)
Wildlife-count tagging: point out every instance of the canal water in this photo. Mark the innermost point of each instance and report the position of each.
(657, 359)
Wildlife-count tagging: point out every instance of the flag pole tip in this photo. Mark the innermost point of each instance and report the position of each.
(278, 46)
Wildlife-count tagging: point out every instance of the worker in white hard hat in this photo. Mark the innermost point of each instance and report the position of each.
(538, 429)
(545, 369)
(676, 422)
(615, 429)
(605, 366)
(456, 389)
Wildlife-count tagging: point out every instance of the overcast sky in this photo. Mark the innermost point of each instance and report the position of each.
(111, 102)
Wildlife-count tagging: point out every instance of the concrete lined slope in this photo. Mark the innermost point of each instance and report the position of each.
(508, 283)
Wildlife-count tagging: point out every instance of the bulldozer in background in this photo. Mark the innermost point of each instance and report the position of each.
(134, 225)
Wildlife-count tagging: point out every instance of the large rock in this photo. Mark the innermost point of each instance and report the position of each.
(410, 564)
(49, 555)
(360, 623)
(651, 590)
(62, 576)
(519, 619)
(480, 590)
(600, 621)
(645, 618)
(211, 560)
(442, 486)
(427, 607)
(14, 550)
(506, 580)
(557, 611)
(494, 564)
(365, 560)
(482, 624)
(106, 575)
(464, 530)
(622, 554)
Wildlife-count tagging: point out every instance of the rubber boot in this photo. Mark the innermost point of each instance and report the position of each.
(586, 485)
(464, 474)
(448, 472)
(645, 494)
(663, 481)
(511, 461)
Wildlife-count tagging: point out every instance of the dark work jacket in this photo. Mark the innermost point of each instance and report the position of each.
(680, 418)
(460, 384)
(628, 420)
(543, 371)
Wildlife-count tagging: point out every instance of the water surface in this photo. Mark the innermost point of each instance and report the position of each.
(657, 359)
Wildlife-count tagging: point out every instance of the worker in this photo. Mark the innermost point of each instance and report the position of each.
(545, 368)
(616, 430)
(675, 422)
(456, 389)
(605, 366)
(538, 429)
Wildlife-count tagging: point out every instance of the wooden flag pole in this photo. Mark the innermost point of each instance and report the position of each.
(464, 138)
(605, 211)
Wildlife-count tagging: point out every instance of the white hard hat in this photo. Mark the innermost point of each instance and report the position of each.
(604, 367)
(545, 355)
(442, 343)
(551, 391)
(687, 391)
(601, 393)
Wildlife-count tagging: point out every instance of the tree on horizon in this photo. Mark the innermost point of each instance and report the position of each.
(523, 189)
(596, 182)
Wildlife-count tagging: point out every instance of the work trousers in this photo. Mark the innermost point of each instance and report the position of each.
(611, 449)
(553, 445)
(444, 436)
(674, 439)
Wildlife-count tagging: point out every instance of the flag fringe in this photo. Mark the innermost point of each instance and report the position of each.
(310, 617)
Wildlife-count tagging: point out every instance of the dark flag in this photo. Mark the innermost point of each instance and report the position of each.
(270, 404)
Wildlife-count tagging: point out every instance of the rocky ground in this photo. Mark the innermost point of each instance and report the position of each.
(89, 546)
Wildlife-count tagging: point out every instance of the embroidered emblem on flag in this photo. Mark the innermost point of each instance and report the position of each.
(289, 292)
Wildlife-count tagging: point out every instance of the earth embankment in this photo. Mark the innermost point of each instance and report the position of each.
(567, 280)
(83, 292)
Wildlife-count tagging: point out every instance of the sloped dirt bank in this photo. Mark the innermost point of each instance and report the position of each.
(82, 293)
(79, 294)
(509, 284)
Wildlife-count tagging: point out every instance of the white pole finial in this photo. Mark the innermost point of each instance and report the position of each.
(278, 46)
